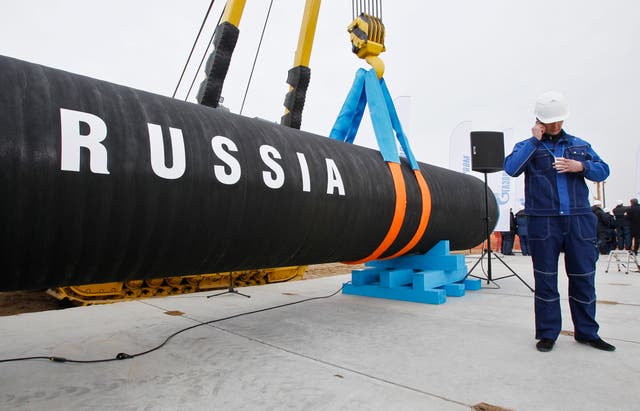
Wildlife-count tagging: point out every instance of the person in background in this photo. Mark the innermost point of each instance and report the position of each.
(523, 232)
(623, 229)
(610, 232)
(634, 224)
(603, 228)
(509, 236)
(555, 165)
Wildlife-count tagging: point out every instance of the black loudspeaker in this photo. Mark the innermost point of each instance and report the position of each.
(487, 151)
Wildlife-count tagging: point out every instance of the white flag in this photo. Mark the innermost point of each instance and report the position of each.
(503, 187)
(460, 148)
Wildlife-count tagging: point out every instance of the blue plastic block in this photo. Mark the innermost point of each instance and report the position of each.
(437, 258)
(433, 296)
(424, 280)
(454, 289)
(472, 284)
(434, 262)
(365, 276)
(427, 278)
(421, 262)
(441, 248)
(395, 278)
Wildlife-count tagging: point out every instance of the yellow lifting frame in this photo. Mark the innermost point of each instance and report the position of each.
(307, 33)
(233, 11)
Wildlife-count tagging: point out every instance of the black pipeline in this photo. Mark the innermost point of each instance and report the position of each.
(100, 182)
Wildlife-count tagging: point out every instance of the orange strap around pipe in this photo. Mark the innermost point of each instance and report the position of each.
(424, 218)
(398, 215)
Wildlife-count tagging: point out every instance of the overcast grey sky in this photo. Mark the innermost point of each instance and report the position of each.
(459, 60)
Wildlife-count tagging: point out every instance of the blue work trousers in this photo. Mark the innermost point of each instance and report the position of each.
(576, 236)
(524, 244)
(507, 243)
(623, 235)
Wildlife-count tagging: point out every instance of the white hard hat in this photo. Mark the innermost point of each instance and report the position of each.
(619, 202)
(551, 107)
(597, 203)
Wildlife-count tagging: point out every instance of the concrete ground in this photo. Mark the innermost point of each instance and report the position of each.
(336, 353)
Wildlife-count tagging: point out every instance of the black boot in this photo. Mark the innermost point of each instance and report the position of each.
(600, 344)
(545, 345)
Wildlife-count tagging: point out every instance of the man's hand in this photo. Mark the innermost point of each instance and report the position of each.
(538, 130)
(566, 165)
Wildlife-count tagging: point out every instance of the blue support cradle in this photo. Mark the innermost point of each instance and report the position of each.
(426, 278)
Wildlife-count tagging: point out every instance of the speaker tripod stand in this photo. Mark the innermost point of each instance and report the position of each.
(487, 252)
(231, 290)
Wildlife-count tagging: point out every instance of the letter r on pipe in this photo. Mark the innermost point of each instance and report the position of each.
(72, 140)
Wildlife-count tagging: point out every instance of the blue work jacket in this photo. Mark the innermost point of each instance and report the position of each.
(547, 192)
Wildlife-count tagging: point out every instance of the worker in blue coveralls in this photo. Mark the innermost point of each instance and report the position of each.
(555, 165)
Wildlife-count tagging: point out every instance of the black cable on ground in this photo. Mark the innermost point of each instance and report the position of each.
(186, 64)
(125, 356)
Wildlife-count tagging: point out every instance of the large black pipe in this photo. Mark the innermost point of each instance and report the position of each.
(84, 198)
